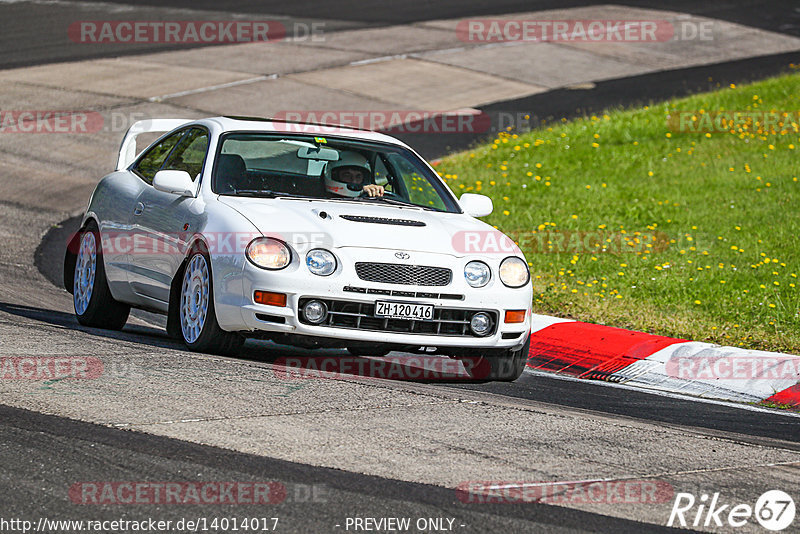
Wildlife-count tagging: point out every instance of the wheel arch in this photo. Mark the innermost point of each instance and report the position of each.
(173, 318)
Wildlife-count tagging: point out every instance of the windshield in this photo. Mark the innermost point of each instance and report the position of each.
(272, 165)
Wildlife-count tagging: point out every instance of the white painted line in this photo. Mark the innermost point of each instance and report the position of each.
(212, 88)
(380, 59)
(540, 322)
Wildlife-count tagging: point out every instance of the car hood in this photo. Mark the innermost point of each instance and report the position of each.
(329, 223)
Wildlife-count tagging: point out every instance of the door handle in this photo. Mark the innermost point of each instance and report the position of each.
(138, 209)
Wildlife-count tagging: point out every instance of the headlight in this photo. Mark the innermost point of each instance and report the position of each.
(268, 253)
(320, 262)
(477, 273)
(514, 272)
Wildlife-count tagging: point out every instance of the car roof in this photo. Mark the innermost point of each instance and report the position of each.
(259, 124)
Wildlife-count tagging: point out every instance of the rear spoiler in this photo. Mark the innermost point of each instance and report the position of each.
(127, 150)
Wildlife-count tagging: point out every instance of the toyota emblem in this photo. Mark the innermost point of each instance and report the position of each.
(401, 255)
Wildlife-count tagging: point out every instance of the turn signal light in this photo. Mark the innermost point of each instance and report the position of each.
(273, 299)
(515, 316)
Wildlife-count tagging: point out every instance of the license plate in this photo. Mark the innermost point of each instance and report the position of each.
(404, 310)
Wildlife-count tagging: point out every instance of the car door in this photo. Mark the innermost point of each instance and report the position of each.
(166, 220)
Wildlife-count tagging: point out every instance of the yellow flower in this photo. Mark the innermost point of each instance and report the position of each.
(697, 302)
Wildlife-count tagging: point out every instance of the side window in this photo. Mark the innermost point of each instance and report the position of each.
(151, 162)
(190, 153)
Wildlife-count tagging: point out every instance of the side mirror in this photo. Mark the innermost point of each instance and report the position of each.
(175, 182)
(476, 205)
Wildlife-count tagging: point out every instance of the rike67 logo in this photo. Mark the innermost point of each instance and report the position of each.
(774, 510)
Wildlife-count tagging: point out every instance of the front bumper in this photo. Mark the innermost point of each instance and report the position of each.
(453, 304)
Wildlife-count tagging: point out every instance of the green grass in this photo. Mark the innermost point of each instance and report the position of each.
(777, 405)
(719, 213)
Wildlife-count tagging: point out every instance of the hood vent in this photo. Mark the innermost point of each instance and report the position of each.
(382, 220)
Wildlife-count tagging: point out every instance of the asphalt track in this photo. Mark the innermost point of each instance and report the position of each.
(317, 500)
(44, 454)
(34, 31)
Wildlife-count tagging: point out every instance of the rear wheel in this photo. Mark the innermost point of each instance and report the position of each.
(198, 319)
(91, 298)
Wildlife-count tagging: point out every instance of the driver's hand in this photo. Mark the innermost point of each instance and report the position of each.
(373, 190)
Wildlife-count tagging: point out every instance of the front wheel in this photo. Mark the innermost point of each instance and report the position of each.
(506, 366)
(91, 298)
(198, 320)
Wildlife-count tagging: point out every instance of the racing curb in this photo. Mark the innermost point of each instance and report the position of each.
(597, 352)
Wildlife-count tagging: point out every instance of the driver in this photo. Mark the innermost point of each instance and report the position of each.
(348, 177)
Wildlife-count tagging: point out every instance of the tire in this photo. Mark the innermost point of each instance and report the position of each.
(506, 366)
(91, 298)
(199, 328)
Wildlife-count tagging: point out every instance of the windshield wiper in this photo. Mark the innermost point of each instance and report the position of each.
(261, 193)
(396, 202)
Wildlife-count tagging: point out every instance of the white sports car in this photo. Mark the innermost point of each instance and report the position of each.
(309, 235)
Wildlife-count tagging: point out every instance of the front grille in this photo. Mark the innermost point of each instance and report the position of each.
(391, 273)
(361, 316)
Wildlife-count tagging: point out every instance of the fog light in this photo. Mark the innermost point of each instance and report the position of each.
(480, 324)
(315, 311)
